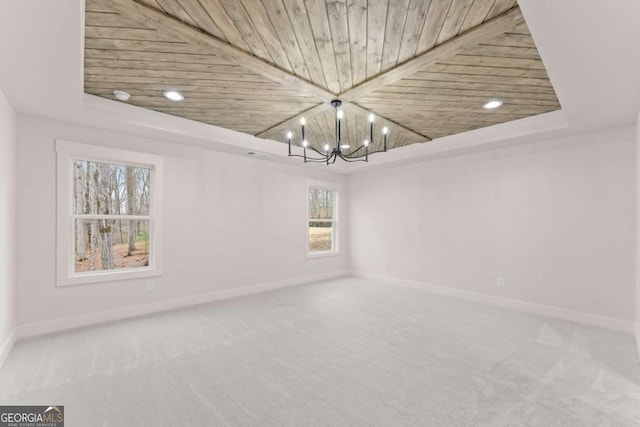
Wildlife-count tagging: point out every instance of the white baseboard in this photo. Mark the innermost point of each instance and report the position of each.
(544, 310)
(6, 346)
(66, 323)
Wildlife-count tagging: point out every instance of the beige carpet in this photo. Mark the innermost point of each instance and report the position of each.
(347, 352)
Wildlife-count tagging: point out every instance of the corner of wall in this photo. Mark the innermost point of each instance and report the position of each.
(638, 339)
(6, 346)
(8, 191)
(637, 331)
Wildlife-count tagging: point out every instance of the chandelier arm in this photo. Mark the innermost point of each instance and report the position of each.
(351, 160)
(323, 159)
(316, 160)
(354, 151)
(348, 160)
(351, 155)
(319, 152)
(309, 159)
(370, 152)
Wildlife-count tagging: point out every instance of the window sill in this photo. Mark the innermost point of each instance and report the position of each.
(323, 254)
(101, 277)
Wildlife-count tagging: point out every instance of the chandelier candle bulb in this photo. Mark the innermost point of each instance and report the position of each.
(385, 130)
(289, 135)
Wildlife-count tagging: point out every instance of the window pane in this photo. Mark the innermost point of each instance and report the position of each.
(102, 244)
(321, 203)
(320, 236)
(110, 189)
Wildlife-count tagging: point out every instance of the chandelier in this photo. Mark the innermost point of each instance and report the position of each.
(330, 154)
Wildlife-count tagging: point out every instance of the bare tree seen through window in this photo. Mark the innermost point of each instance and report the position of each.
(101, 193)
(321, 219)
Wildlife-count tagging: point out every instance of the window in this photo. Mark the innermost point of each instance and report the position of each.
(109, 211)
(322, 203)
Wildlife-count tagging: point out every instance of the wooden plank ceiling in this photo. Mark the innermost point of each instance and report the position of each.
(423, 67)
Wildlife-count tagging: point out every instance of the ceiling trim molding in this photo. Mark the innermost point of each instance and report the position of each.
(473, 37)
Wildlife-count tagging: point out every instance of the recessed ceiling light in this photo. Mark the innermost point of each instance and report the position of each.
(345, 146)
(121, 95)
(494, 103)
(173, 95)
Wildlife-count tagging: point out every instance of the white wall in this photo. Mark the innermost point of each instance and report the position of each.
(229, 222)
(638, 233)
(7, 222)
(556, 218)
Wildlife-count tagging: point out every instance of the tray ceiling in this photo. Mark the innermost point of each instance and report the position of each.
(425, 68)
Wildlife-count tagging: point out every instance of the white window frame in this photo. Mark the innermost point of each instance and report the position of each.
(335, 188)
(67, 152)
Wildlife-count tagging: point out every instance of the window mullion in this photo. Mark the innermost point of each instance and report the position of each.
(116, 217)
